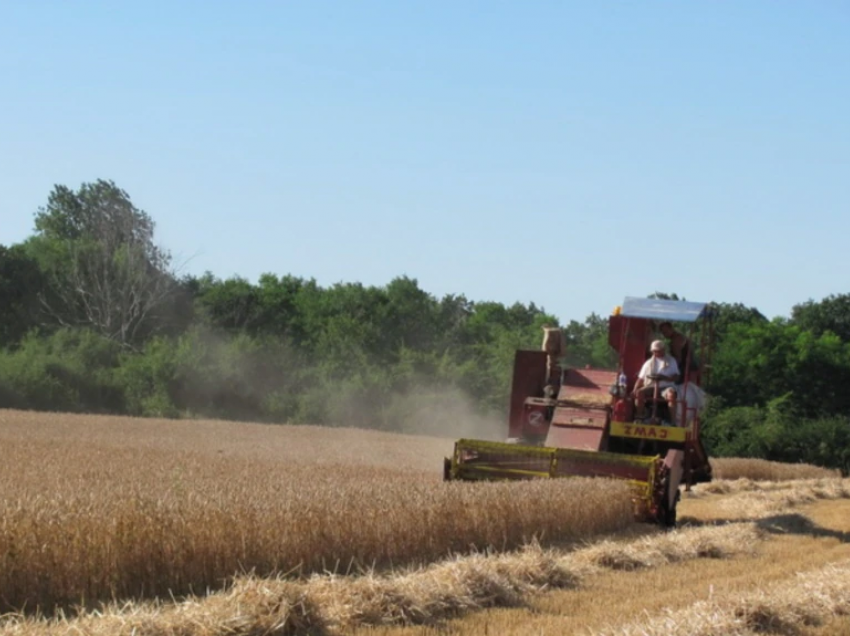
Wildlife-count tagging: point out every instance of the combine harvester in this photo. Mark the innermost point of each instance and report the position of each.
(568, 422)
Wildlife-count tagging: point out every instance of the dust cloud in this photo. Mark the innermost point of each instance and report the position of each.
(240, 378)
(451, 413)
(427, 410)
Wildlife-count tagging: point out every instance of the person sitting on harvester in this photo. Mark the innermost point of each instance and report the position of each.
(659, 371)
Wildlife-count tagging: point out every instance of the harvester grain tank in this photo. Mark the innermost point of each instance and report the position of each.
(568, 422)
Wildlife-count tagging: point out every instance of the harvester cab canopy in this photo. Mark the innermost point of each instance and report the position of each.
(633, 327)
(664, 310)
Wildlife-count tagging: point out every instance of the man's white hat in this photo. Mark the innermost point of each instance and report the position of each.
(657, 345)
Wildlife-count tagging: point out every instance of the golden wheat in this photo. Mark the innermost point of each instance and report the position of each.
(82, 522)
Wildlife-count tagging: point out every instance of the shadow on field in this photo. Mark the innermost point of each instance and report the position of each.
(792, 523)
(799, 524)
(693, 522)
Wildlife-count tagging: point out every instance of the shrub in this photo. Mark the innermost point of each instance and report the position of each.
(69, 370)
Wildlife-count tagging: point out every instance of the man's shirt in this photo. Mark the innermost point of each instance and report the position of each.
(656, 366)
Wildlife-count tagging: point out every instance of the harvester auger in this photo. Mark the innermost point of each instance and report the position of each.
(568, 422)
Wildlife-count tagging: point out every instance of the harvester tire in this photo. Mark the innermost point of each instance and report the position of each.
(668, 512)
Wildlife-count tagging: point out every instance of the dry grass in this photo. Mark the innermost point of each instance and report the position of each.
(653, 551)
(729, 468)
(83, 521)
(808, 599)
(331, 604)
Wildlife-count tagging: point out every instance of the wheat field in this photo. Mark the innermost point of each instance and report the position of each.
(208, 528)
(89, 515)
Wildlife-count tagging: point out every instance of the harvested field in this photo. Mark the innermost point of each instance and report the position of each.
(612, 600)
(808, 599)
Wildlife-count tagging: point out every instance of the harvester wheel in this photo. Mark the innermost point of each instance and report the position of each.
(668, 512)
(447, 469)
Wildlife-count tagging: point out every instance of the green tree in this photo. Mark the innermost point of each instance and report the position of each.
(757, 362)
(728, 314)
(232, 304)
(587, 343)
(830, 314)
(20, 283)
(102, 267)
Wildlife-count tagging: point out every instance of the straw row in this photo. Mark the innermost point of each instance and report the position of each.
(749, 499)
(730, 468)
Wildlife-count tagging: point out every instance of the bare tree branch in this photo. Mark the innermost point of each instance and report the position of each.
(111, 275)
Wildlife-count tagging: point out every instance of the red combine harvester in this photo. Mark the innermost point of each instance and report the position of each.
(568, 422)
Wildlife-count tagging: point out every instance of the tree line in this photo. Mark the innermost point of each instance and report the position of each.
(95, 317)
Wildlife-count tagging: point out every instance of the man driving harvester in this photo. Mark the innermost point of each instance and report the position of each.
(657, 375)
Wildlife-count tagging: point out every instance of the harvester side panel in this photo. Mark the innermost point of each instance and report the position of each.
(589, 436)
(587, 387)
(581, 415)
(528, 381)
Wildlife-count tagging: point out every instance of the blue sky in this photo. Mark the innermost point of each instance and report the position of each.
(564, 153)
